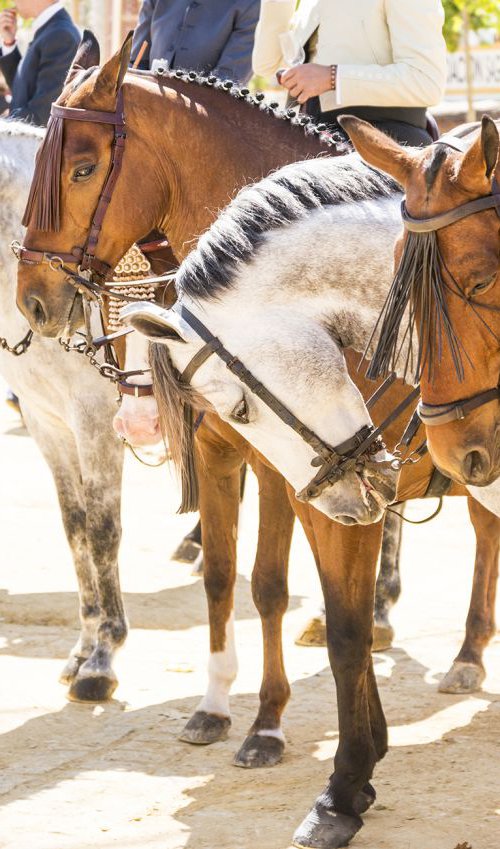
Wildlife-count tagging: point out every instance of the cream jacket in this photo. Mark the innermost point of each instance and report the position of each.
(388, 52)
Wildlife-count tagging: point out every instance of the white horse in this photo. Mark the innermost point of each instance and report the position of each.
(68, 409)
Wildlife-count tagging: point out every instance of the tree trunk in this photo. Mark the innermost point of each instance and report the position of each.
(469, 70)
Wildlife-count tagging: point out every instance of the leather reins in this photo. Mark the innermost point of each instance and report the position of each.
(438, 414)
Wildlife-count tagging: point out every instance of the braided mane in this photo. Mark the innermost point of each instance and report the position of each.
(257, 100)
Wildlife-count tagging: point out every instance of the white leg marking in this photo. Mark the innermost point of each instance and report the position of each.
(272, 732)
(222, 670)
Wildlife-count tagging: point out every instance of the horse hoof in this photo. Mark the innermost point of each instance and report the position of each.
(204, 728)
(187, 552)
(383, 635)
(92, 688)
(324, 829)
(364, 799)
(259, 750)
(314, 633)
(462, 678)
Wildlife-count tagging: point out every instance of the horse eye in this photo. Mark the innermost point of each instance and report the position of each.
(484, 286)
(83, 173)
(240, 412)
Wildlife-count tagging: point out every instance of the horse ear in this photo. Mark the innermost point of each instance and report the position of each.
(482, 158)
(154, 322)
(110, 78)
(378, 149)
(87, 56)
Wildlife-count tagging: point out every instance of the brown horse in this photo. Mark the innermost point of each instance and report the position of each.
(179, 194)
(454, 287)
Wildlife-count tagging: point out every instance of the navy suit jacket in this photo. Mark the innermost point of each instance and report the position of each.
(207, 35)
(37, 79)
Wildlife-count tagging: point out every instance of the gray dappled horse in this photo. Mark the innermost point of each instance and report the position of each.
(68, 409)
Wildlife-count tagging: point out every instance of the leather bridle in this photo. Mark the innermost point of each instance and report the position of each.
(438, 414)
(85, 257)
(333, 462)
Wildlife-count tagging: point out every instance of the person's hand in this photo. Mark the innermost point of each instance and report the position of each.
(305, 81)
(8, 25)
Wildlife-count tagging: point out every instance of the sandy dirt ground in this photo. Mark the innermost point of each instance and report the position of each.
(82, 776)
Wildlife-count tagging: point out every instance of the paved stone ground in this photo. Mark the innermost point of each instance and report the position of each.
(80, 777)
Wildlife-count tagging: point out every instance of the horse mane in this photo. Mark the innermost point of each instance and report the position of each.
(177, 403)
(9, 127)
(291, 115)
(286, 196)
(18, 143)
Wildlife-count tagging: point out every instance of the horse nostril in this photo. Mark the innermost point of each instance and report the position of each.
(475, 465)
(36, 311)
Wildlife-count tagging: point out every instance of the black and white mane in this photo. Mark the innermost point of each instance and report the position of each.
(283, 198)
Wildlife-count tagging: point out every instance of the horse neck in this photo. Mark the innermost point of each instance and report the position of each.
(207, 145)
(332, 268)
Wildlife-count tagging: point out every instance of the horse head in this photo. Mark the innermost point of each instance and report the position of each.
(447, 284)
(78, 216)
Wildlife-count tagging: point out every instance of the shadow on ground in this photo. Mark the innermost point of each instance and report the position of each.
(262, 808)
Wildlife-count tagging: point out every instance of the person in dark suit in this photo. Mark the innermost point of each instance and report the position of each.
(215, 36)
(37, 78)
(4, 103)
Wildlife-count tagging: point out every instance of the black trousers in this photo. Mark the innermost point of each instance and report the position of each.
(412, 132)
(399, 130)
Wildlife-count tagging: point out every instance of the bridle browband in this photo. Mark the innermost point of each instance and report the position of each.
(445, 219)
(334, 462)
(437, 414)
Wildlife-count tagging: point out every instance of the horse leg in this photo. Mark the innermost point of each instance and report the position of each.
(190, 548)
(218, 470)
(313, 633)
(101, 459)
(58, 446)
(348, 581)
(265, 742)
(388, 586)
(467, 672)
(387, 591)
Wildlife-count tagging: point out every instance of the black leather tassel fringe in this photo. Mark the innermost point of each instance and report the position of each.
(417, 289)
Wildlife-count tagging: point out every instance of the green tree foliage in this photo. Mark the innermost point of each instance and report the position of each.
(482, 14)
